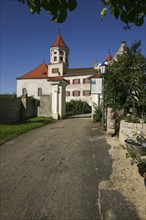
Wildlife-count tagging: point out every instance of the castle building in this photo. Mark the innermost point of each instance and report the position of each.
(39, 81)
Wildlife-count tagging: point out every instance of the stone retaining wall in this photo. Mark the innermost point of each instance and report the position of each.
(127, 130)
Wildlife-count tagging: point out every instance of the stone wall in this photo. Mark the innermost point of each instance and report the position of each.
(15, 110)
(45, 108)
(128, 130)
(110, 121)
(9, 110)
(28, 108)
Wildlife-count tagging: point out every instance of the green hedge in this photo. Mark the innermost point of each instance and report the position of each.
(76, 107)
(8, 97)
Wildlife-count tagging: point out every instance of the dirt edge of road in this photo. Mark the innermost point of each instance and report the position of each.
(125, 178)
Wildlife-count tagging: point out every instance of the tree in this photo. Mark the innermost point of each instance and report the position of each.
(126, 80)
(56, 8)
(129, 11)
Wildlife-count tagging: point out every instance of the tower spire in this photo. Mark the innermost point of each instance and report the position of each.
(59, 41)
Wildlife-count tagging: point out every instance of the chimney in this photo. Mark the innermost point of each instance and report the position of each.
(95, 64)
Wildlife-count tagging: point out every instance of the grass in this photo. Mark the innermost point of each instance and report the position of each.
(10, 131)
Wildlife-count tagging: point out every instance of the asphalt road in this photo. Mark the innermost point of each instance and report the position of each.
(53, 173)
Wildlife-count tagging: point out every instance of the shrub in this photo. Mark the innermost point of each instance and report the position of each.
(76, 107)
(132, 119)
(97, 116)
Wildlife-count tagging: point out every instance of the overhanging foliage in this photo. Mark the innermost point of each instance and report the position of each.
(126, 80)
(128, 11)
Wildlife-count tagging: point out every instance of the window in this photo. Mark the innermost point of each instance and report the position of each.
(55, 58)
(86, 93)
(67, 93)
(76, 81)
(86, 80)
(24, 92)
(39, 91)
(61, 56)
(61, 59)
(61, 52)
(76, 93)
(55, 70)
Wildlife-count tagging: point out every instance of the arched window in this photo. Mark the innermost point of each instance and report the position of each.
(39, 91)
(24, 92)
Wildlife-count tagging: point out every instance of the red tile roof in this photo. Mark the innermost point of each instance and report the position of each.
(59, 41)
(80, 72)
(109, 58)
(41, 72)
(38, 73)
(97, 75)
(56, 78)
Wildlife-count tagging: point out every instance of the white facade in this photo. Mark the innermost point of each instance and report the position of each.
(120, 50)
(56, 69)
(78, 88)
(32, 86)
(59, 54)
(96, 94)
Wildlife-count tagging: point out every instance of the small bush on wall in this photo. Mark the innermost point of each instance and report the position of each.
(97, 116)
(76, 107)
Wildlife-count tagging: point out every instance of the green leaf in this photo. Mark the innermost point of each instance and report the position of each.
(124, 16)
(72, 4)
(113, 3)
(61, 16)
(140, 21)
(131, 16)
(106, 1)
(34, 7)
(103, 12)
(115, 11)
(49, 5)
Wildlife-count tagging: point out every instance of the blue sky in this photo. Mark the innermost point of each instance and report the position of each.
(26, 38)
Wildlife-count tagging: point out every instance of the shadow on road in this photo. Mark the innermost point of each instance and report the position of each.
(79, 116)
